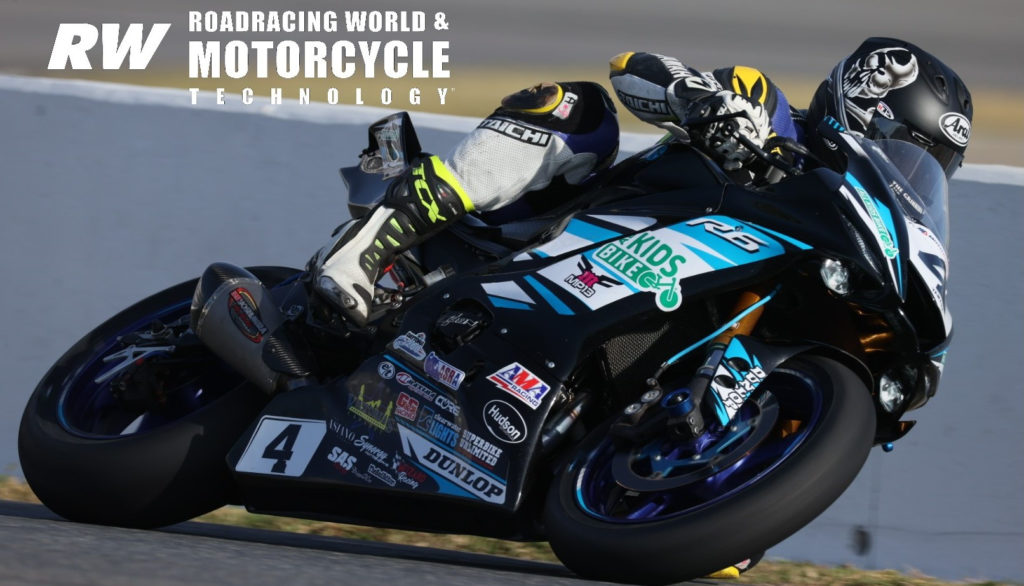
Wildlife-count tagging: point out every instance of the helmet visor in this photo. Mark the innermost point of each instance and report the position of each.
(882, 128)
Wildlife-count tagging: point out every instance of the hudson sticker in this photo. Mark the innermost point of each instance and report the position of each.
(504, 422)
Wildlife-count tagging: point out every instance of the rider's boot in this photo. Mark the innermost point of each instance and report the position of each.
(422, 201)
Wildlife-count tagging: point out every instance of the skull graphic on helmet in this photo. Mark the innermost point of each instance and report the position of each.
(875, 75)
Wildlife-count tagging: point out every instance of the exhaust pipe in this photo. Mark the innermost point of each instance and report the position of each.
(235, 317)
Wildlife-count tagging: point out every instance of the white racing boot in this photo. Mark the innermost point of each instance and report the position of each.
(422, 201)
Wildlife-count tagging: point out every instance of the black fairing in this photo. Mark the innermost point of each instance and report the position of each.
(467, 377)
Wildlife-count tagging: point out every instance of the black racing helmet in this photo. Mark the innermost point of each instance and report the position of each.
(890, 88)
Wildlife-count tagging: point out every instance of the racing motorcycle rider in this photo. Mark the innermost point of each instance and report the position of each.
(887, 88)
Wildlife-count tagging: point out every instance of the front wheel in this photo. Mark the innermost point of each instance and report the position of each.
(147, 450)
(672, 510)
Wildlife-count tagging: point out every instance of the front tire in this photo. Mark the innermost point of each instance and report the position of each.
(822, 427)
(85, 456)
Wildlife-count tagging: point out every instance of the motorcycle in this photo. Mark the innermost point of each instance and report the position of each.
(661, 373)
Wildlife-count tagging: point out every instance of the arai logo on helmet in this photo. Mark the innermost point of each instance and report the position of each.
(956, 127)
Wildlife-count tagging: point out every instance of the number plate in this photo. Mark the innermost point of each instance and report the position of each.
(282, 446)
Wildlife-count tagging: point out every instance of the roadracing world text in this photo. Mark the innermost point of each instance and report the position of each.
(253, 56)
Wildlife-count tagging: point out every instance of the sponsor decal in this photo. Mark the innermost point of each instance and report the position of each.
(409, 381)
(519, 132)
(648, 263)
(386, 370)
(643, 104)
(381, 474)
(956, 127)
(587, 280)
(884, 110)
(411, 344)
(457, 318)
(518, 381)
(341, 459)
(888, 246)
(406, 407)
(408, 474)
(905, 198)
(565, 107)
(446, 404)
(426, 196)
(341, 431)
(736, 377)
(442, 372)
(479, 449)
(376, 412)
(245, 314)
(452, 467)
(504, 422)
(438, 427)
(733, 391)
(370, 449)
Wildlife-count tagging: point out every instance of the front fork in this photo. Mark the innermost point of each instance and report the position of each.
(728, 369)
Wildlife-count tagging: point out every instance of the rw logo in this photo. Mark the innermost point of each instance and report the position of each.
(74, 40)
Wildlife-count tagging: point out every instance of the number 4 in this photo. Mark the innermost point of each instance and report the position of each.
(280, 448)
(281, 445)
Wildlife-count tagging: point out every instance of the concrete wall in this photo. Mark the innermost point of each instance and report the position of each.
(109, 193)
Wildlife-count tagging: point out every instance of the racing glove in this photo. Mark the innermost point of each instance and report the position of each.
(720, 138)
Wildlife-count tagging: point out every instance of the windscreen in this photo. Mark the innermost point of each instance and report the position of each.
(927, 200)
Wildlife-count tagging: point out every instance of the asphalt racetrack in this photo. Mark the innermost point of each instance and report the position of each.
(40, 548)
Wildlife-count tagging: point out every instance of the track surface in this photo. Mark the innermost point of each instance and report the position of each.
(40, 548)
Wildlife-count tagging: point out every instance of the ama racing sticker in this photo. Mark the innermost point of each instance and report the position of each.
(522, 384)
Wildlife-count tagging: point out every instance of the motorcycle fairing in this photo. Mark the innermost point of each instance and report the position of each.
(660, 260)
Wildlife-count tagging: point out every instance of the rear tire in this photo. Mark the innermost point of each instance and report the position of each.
(698, 539)
(160, 476)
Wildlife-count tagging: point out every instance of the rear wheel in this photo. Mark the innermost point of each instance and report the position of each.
(124, 431)
(671, 510)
